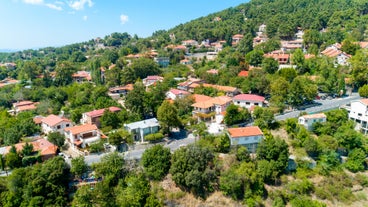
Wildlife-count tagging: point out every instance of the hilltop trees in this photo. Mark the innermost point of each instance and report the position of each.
(167, 114)
(156, 162)
(192, 169)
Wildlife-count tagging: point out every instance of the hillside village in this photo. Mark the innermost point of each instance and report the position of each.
(261, 114)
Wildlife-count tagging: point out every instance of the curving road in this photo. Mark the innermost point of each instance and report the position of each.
(325, 105)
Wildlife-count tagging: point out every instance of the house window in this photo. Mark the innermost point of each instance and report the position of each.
(58, 127)
(238, 102)
(67, 125)
(256, 104)
(359, 114)
(247, 103)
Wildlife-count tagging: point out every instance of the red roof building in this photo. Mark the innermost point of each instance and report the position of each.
(93, 117)
(46, 149)
(249, 137)
(249, 100)
(82, 135)
(53, 123)
(243, 73)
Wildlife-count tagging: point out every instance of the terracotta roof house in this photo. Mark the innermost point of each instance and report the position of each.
(82, 135)
(185, 62)
(186, 84)
(22, 106)
(243, 73)
(176, 93)
(363, 45)
(200, 98)
(249, 137)
(213, 71)
(152, 80)
(189, 43)
(248, 100)
(116, 92)
(53, 123)
(236, 39)
(93, 117)
(176, 47)
(45, 148)
(207, 108)
(281, 57)
(82, 76)
(38, 120)
(334, 51)
(308, 120)
(8, 81)
(229, 90)
(292, 44)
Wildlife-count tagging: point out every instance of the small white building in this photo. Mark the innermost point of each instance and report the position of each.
(249, 100)
(358, 112)
(53, 123)
(308, 120)
(140, 129)
(82, 135)
(249, 137)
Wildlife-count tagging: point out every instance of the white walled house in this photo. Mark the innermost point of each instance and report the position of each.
(140, 129)
(358, 112)
(176, 93)
(248, 100)
(308, 120)
(82, 135)
(249, 137)
(53, 123)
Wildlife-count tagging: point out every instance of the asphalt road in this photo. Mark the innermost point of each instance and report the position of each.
(137, 153)
(325, 105)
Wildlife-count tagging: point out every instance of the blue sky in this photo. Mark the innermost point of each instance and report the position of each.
(40, 23)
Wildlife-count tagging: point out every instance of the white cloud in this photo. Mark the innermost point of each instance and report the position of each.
(33, 1)
(124, 19)
(53, 6)
(85, 18)
(79, 4)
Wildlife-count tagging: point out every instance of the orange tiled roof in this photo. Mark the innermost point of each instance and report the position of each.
(22, 103)
(53, 120)
(81, 128)
(331, 52)
(220, 88)
(200, 98)
(238, 36)
(38, 119)
(245, 131)
(100, 112)
(243, 73)
(42, 145)
(203, 105)
(221, 100)
(26, 108)
(363, 44)
(212, 71)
